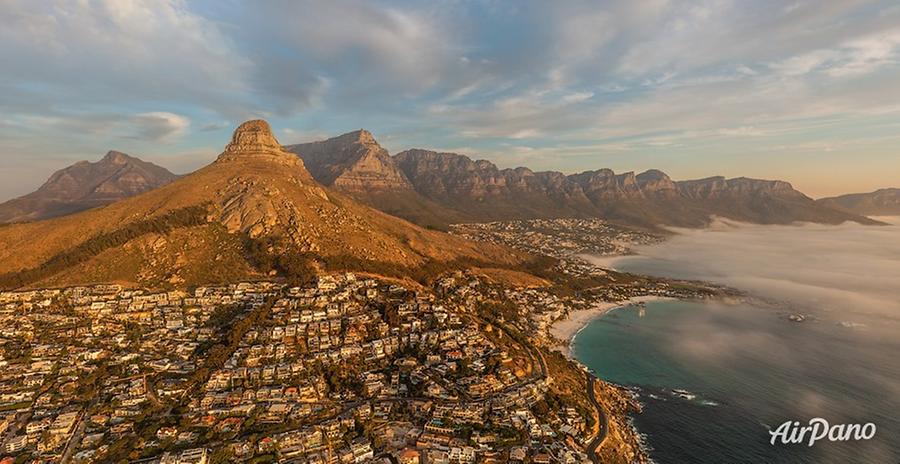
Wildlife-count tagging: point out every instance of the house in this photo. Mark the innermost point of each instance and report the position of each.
(191, 456)
(408, 456)
(16, 444)
(465, 454)
(518, 453)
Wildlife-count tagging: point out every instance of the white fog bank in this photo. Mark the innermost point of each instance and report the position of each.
(845, 270)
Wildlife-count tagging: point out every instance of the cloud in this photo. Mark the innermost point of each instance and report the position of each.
(160, 126)
(805, 63)
(743, 131)
(620, 75)
(868, 54)
(368, 52)
(153, 126)
(91, 53)
(861, 55)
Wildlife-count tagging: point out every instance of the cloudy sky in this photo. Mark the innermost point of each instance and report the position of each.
(806, 91)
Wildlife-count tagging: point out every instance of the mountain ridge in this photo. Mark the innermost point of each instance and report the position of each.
(255, 192)
(450, 187)
(435, 189)
(881, 202)
(85, 185)
(355, 164)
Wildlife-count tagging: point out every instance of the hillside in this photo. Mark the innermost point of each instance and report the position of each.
(883, 202)
(255, 203)
(86, 185)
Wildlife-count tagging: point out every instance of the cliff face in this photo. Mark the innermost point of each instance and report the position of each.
(648, 199)
(353, 162)
(484, 192)
(434, 188)
(86, 185)
(884, 202)
(720, 187)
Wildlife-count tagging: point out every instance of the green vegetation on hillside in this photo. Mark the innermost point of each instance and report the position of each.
(299, 267)
(185, 217)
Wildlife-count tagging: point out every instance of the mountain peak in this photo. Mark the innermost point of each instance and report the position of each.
(254, 135)
(86, 185)
(882, 202)
(254, 140)
(116, 157)
(652, 174)
(353, 163)
(360, 136)
(364, 136)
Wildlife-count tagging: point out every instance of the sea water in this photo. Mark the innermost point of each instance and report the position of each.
(715, 378)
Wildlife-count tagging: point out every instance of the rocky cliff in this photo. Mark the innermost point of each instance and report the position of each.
(650, 199)
(352, 162)
(355, 164)
(436, 188)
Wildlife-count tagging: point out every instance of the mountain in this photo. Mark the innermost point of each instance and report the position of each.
(479, 191)
(355, 164)
(483, 192)
(435, 189)
(884, 202)
(86, 185)
(256, 204)
(351, 162)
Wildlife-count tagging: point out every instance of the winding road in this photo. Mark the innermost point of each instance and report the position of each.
(604, 421)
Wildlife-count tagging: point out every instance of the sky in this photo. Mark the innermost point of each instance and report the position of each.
(803, 91)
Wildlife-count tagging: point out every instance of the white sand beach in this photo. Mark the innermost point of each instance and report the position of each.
(567, 328)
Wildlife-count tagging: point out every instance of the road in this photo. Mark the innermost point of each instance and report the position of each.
(604, 421)
(74, 439)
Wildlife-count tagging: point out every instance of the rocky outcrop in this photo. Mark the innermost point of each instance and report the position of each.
(355, 164)
(484, 192)
(720, 187)
(255, 204)
(352, 163)
(884, 202)
(254, 139)
(655, 183)
(86, 185)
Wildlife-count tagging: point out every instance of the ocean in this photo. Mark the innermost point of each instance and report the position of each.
(821, 340)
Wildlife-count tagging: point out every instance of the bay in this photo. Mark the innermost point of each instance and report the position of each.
(741, 370)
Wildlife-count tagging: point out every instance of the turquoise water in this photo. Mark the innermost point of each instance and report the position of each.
(747, 369)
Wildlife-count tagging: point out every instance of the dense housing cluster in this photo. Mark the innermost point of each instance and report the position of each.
(345, 370)
(559, 238)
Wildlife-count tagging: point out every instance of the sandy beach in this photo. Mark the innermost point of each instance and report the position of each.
(567, 328)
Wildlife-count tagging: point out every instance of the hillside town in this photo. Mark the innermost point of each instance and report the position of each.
(566, 239)
(349, 369)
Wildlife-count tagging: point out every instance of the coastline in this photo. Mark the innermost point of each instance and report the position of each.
(615, 403)
(567, 328)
